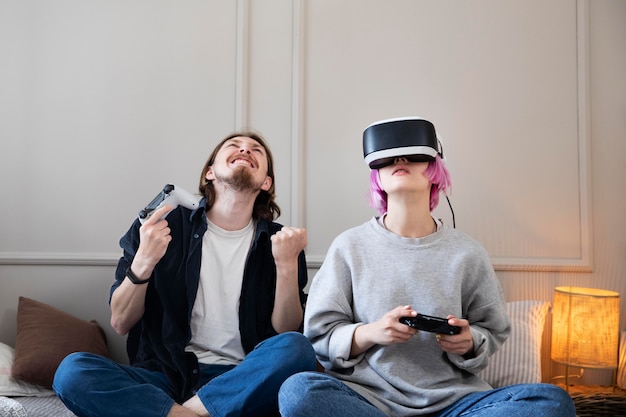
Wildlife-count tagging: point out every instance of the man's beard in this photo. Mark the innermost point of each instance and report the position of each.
(240, 180)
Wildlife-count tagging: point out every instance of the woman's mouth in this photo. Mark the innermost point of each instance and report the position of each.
(400, 171)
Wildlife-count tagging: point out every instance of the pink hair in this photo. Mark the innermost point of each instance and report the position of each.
(437, 174)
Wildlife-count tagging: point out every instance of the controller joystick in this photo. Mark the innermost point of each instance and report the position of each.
(170, 195)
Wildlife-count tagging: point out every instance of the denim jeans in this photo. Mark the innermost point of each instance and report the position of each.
(320, 395)
(92, 385)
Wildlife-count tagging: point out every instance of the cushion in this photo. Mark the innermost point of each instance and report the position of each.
(11, 387)
(519, 359)
(621, 367)
(46, 335)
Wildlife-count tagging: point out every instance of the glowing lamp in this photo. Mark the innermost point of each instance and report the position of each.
(585, 328)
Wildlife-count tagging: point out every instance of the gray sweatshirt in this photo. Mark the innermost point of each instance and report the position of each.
(369, 271)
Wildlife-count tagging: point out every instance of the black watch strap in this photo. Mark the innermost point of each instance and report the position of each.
(133, 278)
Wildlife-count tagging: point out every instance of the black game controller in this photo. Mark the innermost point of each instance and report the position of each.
(430, 324)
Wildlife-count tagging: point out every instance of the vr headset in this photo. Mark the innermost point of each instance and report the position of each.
(410, 137)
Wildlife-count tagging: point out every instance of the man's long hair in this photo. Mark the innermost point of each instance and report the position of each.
(264, 206)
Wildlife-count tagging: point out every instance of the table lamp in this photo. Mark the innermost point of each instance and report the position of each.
(585, 328)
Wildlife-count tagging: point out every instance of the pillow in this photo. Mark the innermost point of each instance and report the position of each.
(11, 387)
(46, 335)
(621, 367)
(519, 359)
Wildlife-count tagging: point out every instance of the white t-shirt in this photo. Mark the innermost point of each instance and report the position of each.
(215, 337)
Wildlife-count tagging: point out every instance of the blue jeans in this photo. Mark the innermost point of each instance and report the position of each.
(311, 394)
(95, 386)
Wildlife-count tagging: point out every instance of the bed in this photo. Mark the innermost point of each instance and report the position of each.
(49, 406)
(46, 334)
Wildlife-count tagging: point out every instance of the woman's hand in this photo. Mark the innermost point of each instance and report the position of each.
(385, 331)
(458, 344)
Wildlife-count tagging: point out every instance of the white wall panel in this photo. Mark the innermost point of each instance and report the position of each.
(104, 103)
(503, 92)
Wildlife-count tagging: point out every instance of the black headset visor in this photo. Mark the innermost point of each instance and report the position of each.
(412, 138)
(383, 162)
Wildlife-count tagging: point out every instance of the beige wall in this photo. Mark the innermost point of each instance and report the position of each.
(104, 102)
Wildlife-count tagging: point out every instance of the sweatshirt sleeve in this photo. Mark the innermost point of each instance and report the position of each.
(328, 321)
(486, 313)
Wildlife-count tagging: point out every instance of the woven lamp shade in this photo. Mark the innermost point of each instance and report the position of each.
(585, 327)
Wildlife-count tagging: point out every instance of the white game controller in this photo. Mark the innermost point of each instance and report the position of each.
(172, 196)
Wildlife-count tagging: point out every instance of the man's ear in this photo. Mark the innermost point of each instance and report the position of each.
(209, 176)
(266, 184)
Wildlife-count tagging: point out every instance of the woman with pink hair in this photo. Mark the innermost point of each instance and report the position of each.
(401, 268)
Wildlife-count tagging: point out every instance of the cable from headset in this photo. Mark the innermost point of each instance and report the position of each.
(451, 211)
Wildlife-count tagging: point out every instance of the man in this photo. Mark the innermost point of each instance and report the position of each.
(211, 300)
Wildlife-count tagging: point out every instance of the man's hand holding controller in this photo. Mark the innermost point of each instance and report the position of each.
(154, 234)
(171, 195)
(154, 237)
(127, 302)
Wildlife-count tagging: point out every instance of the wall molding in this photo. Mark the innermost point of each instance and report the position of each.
(59, 258)
(584, 134)
(315, 262)
(298, 165)
(110, 259)
(242, 59)
(584, 263)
